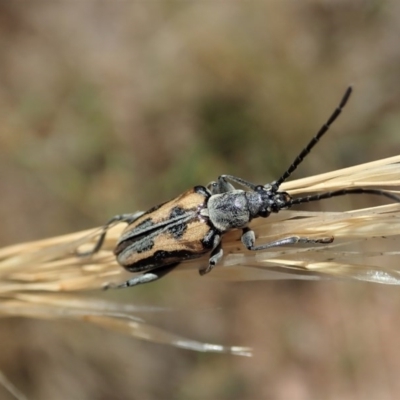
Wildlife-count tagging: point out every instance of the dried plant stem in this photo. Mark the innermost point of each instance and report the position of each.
(36, 276)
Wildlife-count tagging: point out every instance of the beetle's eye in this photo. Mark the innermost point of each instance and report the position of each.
(264, 213)
(286, 198)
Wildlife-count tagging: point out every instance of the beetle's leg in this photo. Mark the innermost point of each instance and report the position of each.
(128, 218)
(213, 187)
(223, 182)
(216, 255)
(221, 186)
(248, 239)
(146, 277)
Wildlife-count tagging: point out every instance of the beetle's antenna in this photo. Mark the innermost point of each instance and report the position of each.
(314, 140)
(343, 192)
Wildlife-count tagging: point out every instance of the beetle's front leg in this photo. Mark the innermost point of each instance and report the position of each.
(248, 239)
(223, 185)
(223, 182)
(216, 255)
(146, 277)
(219, 187)
(128, 218)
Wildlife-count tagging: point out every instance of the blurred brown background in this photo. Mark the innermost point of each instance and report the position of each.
(110, 107)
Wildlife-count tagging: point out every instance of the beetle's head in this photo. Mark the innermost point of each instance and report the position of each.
(271, 201)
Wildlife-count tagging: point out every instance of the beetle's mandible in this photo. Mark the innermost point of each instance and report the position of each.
(191, 225)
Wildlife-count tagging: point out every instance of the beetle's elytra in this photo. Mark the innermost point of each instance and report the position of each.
(172, 232)
(156, 241)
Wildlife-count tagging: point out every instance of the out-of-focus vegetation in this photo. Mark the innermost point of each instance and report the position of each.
(110, 107)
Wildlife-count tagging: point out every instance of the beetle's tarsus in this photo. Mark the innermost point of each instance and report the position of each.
(146, 277)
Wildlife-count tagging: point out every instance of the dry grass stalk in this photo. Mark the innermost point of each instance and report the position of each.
(36, 276)
(11, 389)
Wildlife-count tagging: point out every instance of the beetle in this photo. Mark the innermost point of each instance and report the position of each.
(191, 225)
